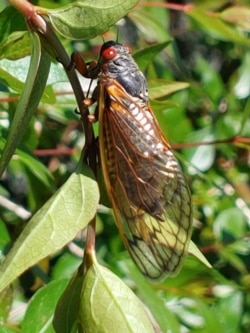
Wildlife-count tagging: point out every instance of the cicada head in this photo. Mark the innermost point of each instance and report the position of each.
(117, 62)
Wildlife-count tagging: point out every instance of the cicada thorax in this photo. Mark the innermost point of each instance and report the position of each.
(150, 197)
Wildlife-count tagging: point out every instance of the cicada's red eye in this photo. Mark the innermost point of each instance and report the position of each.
(109, 53)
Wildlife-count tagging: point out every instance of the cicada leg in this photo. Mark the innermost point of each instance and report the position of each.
(87, 69)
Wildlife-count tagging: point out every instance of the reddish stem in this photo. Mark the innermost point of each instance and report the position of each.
(55, 152)
(234, 140)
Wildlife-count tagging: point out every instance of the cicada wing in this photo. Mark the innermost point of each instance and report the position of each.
(157, 247)
(149, 195)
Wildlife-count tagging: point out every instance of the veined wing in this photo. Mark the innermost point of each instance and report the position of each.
(150, 197)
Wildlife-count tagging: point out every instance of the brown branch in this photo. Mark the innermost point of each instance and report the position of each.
(55, 152)
(233, 140)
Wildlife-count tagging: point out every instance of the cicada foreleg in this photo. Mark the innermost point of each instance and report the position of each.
(86, 69)
(89, 70)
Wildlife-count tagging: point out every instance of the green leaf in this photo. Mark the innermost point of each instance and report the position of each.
(198, 315)
(10, 21)
(164, 317)
(202, 156)
(238, 15)
(214, 26)
(15, 46)
(87, 19)
(6, 299)
(67, 212)
(230, 223)
(29, 100)
(10, 80)
(39, 314)
(109, 306)
(160, 88)
(152, 28)
(159, 106)
(7, 329)
(231, 306)
(242, 86)
(4, 236)
(211, 81)
(145, 56)
(35, 167)
(67, 309)
(228, 255)
(65, 265)
(194, 251)
(18, 69)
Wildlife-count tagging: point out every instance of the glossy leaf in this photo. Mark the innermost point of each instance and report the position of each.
(162, 88)
(109, 306)
(193, 250)
(164, 317)
(197, 314)
(202, 156)
(7, 329)
(67, 309)
(10, 21)
(231, 306)
(29, 100)
(65, 265)
(43, 302)
(13, 74)
(211, 80)
(152, 28)
(213, 25)
(67, 212)
(6, 299)
(228, 255)
(144, 57)
(238, 15)
(230, 223)
(4, 236)
(87, 19)
(32, 164)
(11, 46)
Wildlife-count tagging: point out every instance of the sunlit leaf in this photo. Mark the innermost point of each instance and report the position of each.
(109, 306)
(68, 211)
(11, 21)
(214, 26)
(145, 56)
(198, 315)
(67, 309)
(153, 29)
(202, 156)
(162, 88)
(43, 302)
(164, 317)
(238, 15)
(11, 46)
(29, 100)
(7, 329)
(193, 250)
(4, 236)
(230, 223)
(6, 299)
(87, 19)
(231, 306)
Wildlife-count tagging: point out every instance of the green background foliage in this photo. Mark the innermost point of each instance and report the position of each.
(197, 63)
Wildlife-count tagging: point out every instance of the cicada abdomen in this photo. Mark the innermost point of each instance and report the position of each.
(148, 192)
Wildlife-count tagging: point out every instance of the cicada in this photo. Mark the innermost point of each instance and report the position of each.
(147, 189)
